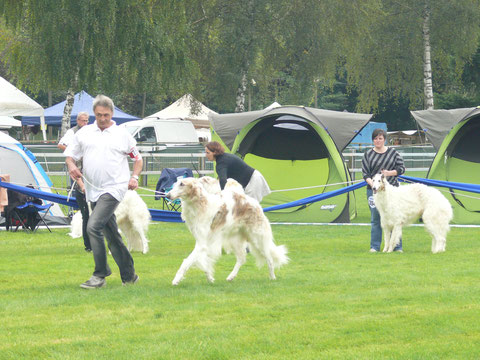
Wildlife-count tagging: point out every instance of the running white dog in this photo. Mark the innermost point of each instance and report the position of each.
(400, 206)
(133, 219)
(230, 220)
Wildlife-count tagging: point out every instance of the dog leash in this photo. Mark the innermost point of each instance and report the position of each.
(318, 186)
(71, 190)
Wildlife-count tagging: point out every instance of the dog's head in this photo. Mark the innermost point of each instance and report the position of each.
(378, 183)
(211, 185)
(184, 189)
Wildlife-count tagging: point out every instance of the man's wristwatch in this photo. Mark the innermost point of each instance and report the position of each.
(135, 177)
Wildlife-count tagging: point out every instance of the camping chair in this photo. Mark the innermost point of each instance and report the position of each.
(25, 211)
(34, 214)
(168, 178)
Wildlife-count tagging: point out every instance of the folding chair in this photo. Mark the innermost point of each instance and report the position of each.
(25, 211)
(168, 178)
(35, 215)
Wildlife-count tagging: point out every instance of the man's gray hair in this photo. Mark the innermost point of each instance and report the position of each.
(82, 113)
(102, 100)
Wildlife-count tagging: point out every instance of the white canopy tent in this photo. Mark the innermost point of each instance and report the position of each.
(182, 108)
(6, 122)
(14, 102)
(273, 106)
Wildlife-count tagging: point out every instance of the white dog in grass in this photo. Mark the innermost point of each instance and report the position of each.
(133, 219)
(400, 206)
(230, 220)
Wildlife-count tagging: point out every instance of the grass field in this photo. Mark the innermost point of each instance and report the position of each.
(333, 301)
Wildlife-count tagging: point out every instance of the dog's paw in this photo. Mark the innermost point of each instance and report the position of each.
(230, 278)
(176, 280)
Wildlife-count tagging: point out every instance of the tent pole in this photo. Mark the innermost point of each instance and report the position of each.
(43, 128)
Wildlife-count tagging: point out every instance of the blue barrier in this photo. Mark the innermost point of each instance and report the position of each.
(173, 216)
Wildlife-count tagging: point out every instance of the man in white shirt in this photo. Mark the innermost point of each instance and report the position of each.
(104, 148)
(82, 120)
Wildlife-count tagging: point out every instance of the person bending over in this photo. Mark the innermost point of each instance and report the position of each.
(231, 166)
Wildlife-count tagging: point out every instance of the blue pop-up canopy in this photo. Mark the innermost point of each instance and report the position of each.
(364, 137)
(82, 102)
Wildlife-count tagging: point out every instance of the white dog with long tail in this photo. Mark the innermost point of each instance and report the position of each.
(229, 220)
(133, 219)
(400, 206)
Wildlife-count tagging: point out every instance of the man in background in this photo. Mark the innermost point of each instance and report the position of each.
(79, 187)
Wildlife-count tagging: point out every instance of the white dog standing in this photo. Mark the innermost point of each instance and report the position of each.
(133, 219)
(400, 206)
(230, 220)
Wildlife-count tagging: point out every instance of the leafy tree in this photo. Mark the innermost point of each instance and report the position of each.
(106, 45)
(388, 61)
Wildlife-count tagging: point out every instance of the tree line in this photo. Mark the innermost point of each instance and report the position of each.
(377, 56)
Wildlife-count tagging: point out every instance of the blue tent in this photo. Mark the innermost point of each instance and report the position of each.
(82, 102)
(364, 137)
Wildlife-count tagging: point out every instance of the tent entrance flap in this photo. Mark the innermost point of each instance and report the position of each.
(286, 174)
(468, 172)
(465, 145)
(284, 138)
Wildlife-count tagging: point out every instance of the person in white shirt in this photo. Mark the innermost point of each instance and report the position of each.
(104, 148)
(82, 120)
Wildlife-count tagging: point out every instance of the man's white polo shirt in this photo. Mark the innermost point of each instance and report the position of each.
(105, 159)
(67, 138)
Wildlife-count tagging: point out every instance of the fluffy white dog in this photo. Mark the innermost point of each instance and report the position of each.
(230, 220)
(211, 185)
(400, 206)
(133, 219)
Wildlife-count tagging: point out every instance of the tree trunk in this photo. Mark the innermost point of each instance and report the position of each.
(67, 111)
(50, 128)
(427, 64)
(144, 101)
(241, 94)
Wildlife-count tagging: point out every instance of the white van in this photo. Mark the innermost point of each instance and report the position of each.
(162, 131)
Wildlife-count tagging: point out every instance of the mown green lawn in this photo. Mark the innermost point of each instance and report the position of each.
(334, 300)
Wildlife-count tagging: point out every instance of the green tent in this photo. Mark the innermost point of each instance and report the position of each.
(455, 134)
(295, 148)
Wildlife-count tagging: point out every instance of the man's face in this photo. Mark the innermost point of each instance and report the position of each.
(82, 120)
(104, 117)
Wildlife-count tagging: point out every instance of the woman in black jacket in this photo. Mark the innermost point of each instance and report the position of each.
(229, 166)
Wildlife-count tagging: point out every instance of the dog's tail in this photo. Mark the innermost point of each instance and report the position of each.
(279, 255)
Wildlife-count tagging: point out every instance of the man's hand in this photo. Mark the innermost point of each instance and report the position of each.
(132, 184)
(73, 170)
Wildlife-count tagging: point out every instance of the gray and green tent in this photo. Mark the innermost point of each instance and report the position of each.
(297, 148)
(455, 134)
